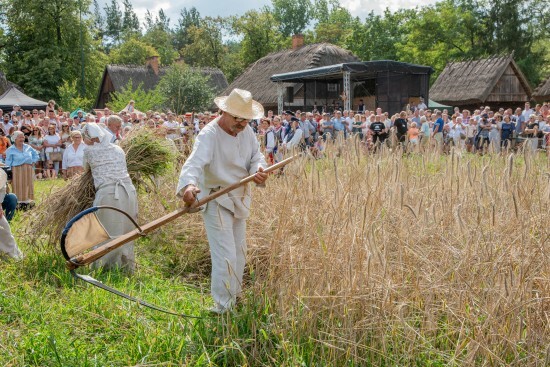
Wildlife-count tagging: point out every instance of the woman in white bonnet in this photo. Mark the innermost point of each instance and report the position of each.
(113, 188)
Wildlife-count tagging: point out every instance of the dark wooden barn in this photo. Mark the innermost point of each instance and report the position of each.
(116, 77)
(390, 85)
(496, 81)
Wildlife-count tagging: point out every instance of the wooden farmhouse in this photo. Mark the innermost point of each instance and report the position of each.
(496, 81)
(256, 78)
(542, 92)
(116, 77)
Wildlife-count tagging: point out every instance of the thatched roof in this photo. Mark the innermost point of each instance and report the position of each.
(542, 92)
(121, 75)
(469, 82)
(256, 77)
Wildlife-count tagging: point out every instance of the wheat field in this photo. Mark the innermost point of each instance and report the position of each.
(392, 259)
(356, 259)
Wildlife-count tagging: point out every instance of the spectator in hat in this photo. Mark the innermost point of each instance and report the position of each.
(295, 137)
(225, 151)
(16, 111)
(7, 124)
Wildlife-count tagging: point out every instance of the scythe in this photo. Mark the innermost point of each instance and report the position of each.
(84, 239)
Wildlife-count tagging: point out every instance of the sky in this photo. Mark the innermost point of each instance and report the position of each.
(237, 7)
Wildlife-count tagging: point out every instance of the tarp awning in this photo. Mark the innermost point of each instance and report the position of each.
(14, 96)
(433, 104)
(358, 70)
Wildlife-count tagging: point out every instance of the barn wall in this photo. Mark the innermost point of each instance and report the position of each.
(508, 89)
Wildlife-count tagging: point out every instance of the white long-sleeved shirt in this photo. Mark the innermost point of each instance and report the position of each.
(218, 160)
(295, 141)
(72, 157)
(269, 140)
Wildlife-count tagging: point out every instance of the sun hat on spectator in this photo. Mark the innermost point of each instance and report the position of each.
(239, 103)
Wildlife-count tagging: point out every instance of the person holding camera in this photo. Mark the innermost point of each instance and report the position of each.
(484, 128)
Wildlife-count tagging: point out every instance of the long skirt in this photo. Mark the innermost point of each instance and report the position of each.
(121, 195)
(23, 182)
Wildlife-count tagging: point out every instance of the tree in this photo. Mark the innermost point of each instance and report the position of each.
(144, 100)
(98, 22)
(42, 44)
(335, 24)
(130, 21)
(132, 51)
(188, 18)
(185, 89)
(260, 35)
(206, 47)
(293, 15)
(70, 99)
(377, 38)
(113, 24)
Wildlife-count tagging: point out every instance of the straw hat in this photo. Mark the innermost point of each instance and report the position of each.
(240, 103)
(3, 178)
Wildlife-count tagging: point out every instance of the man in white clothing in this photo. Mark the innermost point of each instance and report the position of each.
(225, 151)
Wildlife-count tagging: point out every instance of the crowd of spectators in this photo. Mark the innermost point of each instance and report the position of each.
(47, 144)
(416, 129)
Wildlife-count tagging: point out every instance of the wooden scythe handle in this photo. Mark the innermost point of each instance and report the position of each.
(95, 254)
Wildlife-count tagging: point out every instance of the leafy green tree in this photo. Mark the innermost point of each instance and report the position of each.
(377, 37)
(144, 100)
(206, 46)
(130, 21)
(42, 44)
(260, 35)
(188, 18)
(70, 99)
(113, 24)
(132, 52)
(335, 26)
(185, 89)
(98, 22)
(293, 15)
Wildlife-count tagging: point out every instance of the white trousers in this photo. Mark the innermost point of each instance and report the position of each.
(227, 238)
(7, 241)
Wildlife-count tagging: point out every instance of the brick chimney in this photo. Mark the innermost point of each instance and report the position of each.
(297, 41)
(153, 63)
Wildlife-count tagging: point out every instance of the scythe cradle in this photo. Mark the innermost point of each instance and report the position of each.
(95, 234)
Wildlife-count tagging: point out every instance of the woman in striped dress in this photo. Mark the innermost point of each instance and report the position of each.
(21, 158)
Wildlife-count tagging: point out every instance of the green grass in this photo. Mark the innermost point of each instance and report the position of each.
(47, 318)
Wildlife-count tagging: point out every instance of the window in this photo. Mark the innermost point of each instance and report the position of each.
(332, 87)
